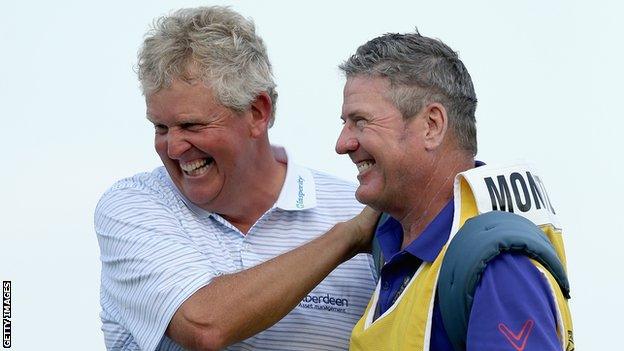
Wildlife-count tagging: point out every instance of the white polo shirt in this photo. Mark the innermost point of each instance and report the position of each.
(157, 249)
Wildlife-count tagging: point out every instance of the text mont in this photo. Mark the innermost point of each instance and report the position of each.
(525, 191)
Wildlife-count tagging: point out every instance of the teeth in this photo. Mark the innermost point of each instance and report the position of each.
(364, 165)
(196, 167)
(193, 165)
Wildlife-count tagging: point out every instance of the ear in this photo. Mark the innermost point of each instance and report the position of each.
(261, 109)
(436, 119)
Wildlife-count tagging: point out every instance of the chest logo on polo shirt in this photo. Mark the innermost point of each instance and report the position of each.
(300, 193)
(325, 302)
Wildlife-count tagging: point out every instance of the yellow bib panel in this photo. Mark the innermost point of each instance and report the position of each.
(406, 325)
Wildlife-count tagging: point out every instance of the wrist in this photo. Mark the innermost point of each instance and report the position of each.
(353, 232)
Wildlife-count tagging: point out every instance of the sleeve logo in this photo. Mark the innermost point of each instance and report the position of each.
(518, 341)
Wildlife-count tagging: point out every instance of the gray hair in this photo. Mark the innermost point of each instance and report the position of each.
(421, 70)
(214, 44)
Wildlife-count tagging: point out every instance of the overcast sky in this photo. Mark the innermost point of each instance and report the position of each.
(548, 75)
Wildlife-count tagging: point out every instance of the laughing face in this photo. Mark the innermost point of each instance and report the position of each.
(203, 145)
(387, 150)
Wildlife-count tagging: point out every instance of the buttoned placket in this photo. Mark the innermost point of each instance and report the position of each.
(401, 264)
(247, 256)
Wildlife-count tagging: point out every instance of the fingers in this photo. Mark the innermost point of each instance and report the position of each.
(369, 211)
(361, 229)
(369, 216)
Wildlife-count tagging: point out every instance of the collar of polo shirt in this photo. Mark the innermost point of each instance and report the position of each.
(298, 192)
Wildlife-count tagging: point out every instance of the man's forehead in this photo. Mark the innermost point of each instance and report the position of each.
(366, 84)
(179, 85)
(363, 91)
(182, 90)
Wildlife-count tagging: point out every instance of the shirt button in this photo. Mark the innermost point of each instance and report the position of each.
(385, 286)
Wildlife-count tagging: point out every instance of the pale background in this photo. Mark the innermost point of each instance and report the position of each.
(548, 76)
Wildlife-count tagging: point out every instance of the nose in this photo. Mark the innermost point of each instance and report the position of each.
(346, 142)
(176, 143)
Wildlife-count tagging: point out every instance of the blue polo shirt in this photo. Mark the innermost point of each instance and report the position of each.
(513, 308)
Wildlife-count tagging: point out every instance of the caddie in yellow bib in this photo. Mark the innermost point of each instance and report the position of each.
(471, 256)
(497, 211)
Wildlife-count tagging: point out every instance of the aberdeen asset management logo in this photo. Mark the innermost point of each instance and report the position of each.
(326, 302)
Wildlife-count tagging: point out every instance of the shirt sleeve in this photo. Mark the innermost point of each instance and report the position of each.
(513, 308)
(149, 267)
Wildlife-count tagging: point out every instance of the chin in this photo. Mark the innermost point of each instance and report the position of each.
(196, 195)
(377, 200)
(364, 197)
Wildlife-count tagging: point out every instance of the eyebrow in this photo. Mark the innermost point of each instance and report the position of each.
(187, 120)
(352, 114)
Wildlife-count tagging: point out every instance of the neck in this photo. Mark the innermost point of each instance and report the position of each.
(433, 194)
(257, 191)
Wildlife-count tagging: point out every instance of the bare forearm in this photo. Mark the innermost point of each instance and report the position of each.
(236, 306)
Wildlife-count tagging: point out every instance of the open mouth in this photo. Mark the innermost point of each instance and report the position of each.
(364, 166)
(197, 167)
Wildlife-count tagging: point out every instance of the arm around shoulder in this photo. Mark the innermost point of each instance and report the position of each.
(236, 306)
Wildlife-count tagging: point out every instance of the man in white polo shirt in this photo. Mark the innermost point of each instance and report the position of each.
(216, 248)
